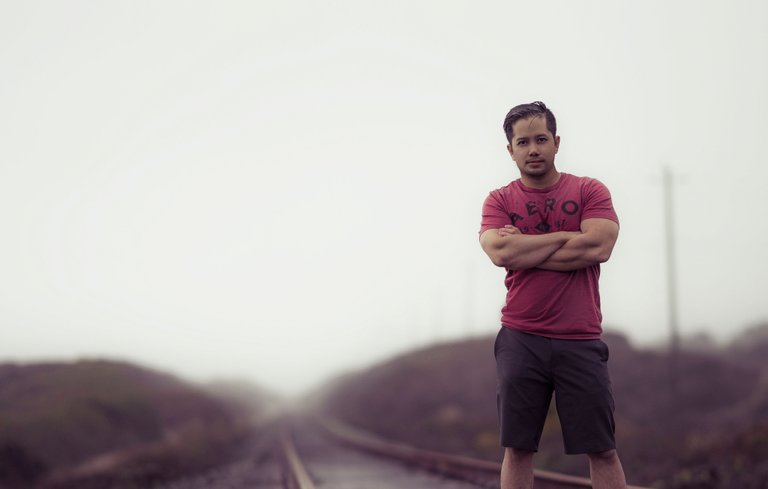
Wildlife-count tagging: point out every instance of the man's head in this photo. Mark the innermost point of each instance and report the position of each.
(533, 143)
(526, 111)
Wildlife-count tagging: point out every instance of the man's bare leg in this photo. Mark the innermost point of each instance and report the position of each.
(606, 471)
(517, 469)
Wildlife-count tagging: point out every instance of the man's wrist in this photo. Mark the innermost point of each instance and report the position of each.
(567, 235)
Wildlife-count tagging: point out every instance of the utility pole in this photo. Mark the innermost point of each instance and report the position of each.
(672, 311)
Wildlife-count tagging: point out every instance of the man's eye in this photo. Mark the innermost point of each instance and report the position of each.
(542, 140)
(521, 143)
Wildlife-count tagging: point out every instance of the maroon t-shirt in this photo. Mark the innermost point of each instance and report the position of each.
(544, 302)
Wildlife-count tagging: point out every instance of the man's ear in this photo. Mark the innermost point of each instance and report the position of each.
(509, 148)
(557, 143)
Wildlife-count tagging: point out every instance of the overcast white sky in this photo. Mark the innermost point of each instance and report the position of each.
(283, 190)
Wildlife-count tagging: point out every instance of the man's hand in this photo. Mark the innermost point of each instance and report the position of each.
(509, 230)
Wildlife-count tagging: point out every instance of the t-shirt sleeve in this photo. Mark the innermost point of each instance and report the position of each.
(597, 202)
(495, 215)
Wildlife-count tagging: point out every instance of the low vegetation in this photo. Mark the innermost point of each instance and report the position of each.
(102, 424)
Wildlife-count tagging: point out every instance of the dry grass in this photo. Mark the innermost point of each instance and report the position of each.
(87, 423)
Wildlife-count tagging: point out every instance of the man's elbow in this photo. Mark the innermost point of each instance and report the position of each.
(500, 259)
(503, 255)
(599, 250)
(510, 262)
(503, 260)
(496, 252)
(603, 254)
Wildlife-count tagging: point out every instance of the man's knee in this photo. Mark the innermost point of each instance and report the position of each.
(608, 456)
(517, 454)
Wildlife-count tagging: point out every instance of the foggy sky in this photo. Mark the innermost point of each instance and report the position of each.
(283, 190)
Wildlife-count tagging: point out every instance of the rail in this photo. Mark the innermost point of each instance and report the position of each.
(295, 474)
(481, 472)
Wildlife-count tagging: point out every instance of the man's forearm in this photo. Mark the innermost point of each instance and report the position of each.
(580, 252)
(522, 251)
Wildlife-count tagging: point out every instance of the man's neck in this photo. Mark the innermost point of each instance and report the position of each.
(540, 182)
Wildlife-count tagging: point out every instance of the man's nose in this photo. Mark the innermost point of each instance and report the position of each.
(533, 150)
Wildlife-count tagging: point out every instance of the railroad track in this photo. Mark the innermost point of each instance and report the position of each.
(326, 454)
(481, 472)
(295, 474)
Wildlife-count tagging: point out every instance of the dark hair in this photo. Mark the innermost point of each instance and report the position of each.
(525, 111)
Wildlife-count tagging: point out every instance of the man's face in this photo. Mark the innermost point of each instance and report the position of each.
(533, 148)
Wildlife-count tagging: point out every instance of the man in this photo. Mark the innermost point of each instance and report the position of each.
(550, 231)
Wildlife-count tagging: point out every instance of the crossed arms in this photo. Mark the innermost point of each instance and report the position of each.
(561, 251)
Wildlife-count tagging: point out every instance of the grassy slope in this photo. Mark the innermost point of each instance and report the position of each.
(97, 415)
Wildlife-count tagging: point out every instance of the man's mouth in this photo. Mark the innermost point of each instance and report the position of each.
(536, 161)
